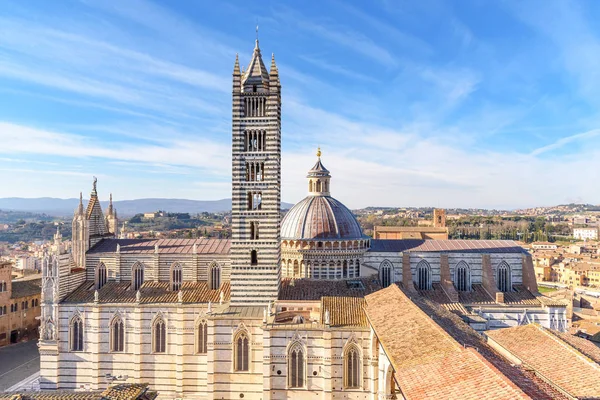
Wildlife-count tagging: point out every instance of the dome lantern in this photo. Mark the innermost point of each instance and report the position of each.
(318, 178)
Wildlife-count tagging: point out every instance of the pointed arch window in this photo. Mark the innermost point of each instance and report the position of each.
(215, 277)
(76, 334)
(176, 277)
(137, 276)
(352, 365)
(296, 366)
(117, 337)
(462, 279)
(503, 277)
(423, 276)
(241, 352)
(159, 335)
(101, 276)
(253, 258)
(385, 273)
(202, 337)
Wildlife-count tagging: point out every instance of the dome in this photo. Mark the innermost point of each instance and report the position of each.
(320, 217)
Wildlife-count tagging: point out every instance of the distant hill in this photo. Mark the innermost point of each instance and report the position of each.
(66, 207)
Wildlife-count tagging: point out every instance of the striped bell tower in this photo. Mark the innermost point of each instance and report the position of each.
(256, 182)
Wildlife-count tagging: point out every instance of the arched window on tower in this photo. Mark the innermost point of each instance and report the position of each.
(202, 334)
(310, 186)
(215, 277)
(345, 269)
(352, 367)
(253, 230)
(318, 188)
(117, 337)
(176, 277)
(385, 273)
(101, 276)
(241, 352)
(503, 277)
(76, 334)
(296, 366)
(159, 336)
(423, 275)
(137, 276)
(462, 279)
(253, 258)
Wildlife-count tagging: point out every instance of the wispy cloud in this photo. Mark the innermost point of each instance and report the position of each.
(564, 141)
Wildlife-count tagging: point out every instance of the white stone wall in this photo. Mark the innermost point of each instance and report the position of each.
(181, 372)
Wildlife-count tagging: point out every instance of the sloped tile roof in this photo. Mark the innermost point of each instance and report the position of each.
(124, 391)
(344, 311)
(26, 288)
(150, 292)
(314, 289)
(553, 358)
(456, 246)
(428, 362)
(584, 346)
(165, 246)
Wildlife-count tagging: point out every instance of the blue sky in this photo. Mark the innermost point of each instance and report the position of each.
(429, 103)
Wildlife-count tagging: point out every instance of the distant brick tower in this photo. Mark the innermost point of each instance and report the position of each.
(439, 218)
(256, 182)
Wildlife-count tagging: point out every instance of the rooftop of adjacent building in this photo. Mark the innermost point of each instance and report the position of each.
(124, 391)
(541, 350)
(424, 342)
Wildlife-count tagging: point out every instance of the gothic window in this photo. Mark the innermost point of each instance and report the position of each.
(345, 269)
(101, 276)
(137, 276)
(202, 337)
(357, 269)
(296, 366)
(159, 331)
(76, 334)
(296, 268)
(463, 277)
(503, 280)
(352, 364)
(37, 302)
(253, 258)
(253, 230)
(215, 277)
(241, 352)
(176, 277)
(117, 337)
(385, 273)
(423, 276)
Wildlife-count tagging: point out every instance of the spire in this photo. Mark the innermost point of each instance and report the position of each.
(236, 66)
(80, 208)
(110, 206)
(256, 75)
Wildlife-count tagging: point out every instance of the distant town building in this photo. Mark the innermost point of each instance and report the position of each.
(436, 230)
(19, 306)
(585, 233)
(544, 246)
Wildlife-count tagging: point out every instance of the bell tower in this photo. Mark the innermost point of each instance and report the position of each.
(256, 182)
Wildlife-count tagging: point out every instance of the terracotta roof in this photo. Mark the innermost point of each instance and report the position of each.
(26, 288)
(457, 246)
(314, 289)
(344, 311)
(150, 292)
(125, 391)
(428, 362)
(552, 358)
(165, 246)
(582, 345)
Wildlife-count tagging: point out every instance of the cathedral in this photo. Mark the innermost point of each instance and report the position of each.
(304, 306)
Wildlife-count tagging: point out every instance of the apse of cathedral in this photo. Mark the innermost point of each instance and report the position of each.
(306, 306)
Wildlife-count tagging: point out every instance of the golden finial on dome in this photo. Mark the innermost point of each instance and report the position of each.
(319, 151)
